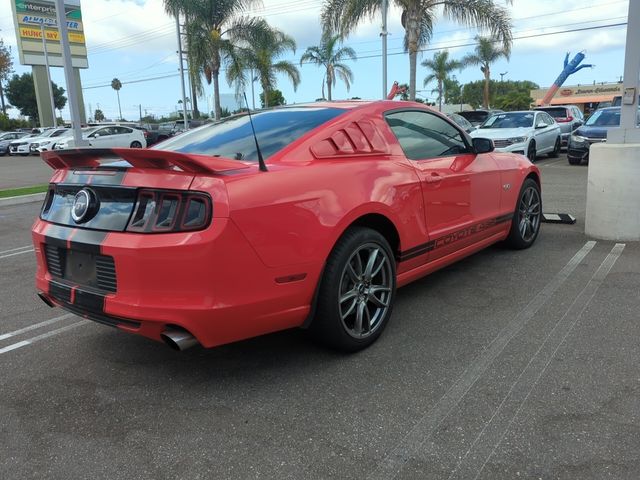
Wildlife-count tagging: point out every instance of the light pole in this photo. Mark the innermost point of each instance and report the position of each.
(383, 34)
(68, 75)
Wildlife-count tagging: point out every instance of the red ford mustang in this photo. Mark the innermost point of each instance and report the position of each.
(216, 235)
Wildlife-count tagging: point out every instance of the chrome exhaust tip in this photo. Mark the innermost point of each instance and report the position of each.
(178, 339)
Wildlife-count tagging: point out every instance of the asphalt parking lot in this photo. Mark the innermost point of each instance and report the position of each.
(506, 365)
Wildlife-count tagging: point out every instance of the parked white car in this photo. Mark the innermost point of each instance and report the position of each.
(109, 136)
(25, 145)
(530, 133)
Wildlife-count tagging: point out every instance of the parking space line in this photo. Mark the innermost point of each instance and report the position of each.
(35, 326)
(413, 441)
(16, 253)
(492, 434)
(15, 249)
(33, 340)
(554, 163)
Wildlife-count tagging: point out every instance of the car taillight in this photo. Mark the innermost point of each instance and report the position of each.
(564, 119)
(145, 133)
(162, 211)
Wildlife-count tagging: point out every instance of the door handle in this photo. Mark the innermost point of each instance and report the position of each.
(434, 177)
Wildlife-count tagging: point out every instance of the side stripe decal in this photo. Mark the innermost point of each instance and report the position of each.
(452, 237)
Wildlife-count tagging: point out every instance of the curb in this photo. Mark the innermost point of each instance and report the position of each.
(34, 197)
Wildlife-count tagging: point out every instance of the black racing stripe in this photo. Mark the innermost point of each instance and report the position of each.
(60, 292)
(102, 318)
(104, 176)
(57, 235)
(89, 241)
(417, 248)
(92, 302)
(504, 218)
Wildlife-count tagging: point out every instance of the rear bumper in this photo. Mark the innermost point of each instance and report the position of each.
(211, 283)
(578, 153)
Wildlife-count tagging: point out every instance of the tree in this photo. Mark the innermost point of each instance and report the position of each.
(440, 66)
(21, 93)
(328, 56)
(418, 19)
(6, 67)
(267, 45)
(452, 91)
(514, 100)
(117, 85)
(473, 92)
(275, 98)
(214, 33)
(487, 51)
(98, 115)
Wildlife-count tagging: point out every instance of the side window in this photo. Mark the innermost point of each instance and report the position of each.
(121, 130)
(548, 119)
(425, 135)
(540, 120)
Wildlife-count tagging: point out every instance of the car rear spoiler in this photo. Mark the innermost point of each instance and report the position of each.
(140, 158)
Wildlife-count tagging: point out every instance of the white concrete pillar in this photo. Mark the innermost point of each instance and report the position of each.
(613, 190)
(613, 195)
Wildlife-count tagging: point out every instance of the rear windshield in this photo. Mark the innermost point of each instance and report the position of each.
(557, 112)
(233, 138)
(604, 118)
(477, 117)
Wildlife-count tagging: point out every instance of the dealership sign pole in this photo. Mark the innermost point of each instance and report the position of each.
(46, 64)
(68, 74)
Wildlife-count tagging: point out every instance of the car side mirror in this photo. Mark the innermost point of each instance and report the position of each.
(483, 145)
(539, 126)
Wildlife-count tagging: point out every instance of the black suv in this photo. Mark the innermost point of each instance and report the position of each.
(593, 131)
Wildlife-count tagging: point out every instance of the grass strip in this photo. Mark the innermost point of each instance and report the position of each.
(16, 192)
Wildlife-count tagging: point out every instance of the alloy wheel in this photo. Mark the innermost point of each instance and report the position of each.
(365, 290)
(529, 213)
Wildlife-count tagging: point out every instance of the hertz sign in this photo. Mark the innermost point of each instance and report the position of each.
(30, 15)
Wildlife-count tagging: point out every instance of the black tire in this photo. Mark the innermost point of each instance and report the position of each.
(556, 149)
(349, 315)
(136, 144)
(574, 161)
(525, 225)
(531, 151)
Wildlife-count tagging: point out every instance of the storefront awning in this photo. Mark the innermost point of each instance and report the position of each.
(578, 100)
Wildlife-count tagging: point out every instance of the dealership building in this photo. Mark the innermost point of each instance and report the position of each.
(586, 97)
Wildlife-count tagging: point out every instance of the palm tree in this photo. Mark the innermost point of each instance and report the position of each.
(267, 44)
(487, 52)
(213, 29)
(418, 18)
(117, 85)
(440, 67)
(328, 56)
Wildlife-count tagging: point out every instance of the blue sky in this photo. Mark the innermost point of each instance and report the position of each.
(135, 40)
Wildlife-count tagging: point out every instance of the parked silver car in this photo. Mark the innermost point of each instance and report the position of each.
(569, 117)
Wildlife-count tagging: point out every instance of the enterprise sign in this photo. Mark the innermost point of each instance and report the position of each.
(30, 15)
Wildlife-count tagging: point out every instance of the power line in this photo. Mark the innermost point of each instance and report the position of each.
(378, 55)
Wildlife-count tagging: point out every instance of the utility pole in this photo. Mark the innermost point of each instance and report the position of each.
(184, 95)
(253, 91)
(502, 76)
(140, 107)
(383, 34)
(68, 75)
(46, 66)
